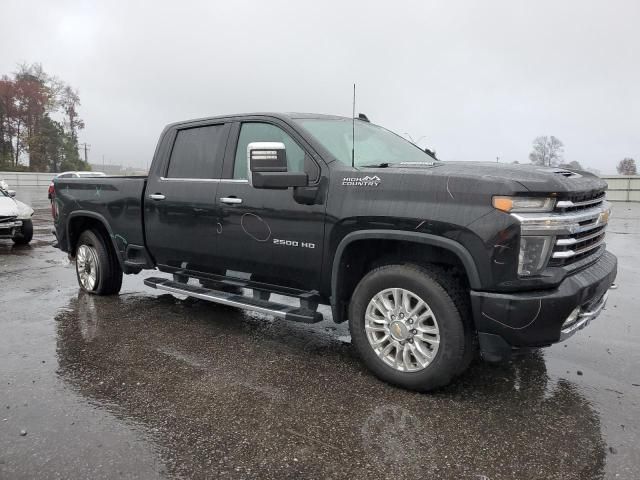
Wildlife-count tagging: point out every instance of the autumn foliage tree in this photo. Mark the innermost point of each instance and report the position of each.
(39, 122)
(627, 167)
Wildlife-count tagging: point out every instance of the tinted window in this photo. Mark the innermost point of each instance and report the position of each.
(196, 152)
(265, 132)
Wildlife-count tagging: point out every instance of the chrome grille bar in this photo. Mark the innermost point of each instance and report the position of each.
(563, 242)
(556, 223)
(570, 204)
(580, 251)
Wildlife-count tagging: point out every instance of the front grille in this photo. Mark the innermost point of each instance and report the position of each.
(6, 218)
(580, 202)
(588, 238)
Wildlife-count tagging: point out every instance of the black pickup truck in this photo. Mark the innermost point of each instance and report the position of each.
(429, 261)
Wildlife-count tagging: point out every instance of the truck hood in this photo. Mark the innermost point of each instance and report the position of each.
(533, 178)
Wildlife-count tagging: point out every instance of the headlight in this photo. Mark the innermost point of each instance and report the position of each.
(524, 204)
(534, 253)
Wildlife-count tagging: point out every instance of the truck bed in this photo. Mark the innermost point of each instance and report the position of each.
(117, 201)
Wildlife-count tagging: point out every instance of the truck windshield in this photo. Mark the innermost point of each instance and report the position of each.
(374, 145)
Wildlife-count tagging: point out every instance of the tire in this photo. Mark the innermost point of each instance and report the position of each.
(26, 233)
(445, 334)
(97, 268)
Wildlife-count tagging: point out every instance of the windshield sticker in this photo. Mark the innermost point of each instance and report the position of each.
(365, 181)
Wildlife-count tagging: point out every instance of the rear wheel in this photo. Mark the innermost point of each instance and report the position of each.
(97, 267)
(408, 325)
(26, 233)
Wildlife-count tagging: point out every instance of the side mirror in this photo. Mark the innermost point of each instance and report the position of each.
(12, 193)
(267, 162)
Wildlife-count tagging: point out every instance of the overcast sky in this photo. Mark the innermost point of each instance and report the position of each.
(477, 79)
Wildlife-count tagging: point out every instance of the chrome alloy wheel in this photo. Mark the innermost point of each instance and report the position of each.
(402, 329)
(87, 266)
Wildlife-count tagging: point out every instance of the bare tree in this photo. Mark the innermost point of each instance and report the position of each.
(627, 167)
(547, 151)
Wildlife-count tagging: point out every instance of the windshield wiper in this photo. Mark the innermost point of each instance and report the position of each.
(428, 164)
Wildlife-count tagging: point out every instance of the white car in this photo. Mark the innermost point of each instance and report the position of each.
(72, 175)
(15, 218)
(80, 174)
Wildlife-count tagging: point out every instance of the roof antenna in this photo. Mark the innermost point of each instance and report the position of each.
(353, 130)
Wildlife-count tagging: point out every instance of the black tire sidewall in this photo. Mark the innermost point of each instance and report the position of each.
(91, 239)
(452, 333)
(26, 233)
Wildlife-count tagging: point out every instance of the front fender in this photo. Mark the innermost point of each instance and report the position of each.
(415, 237)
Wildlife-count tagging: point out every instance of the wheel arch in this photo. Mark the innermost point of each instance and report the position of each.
(339, 286)
(81, 220)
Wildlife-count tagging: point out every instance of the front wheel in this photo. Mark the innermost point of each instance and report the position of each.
(408, 323)
(26, 233)
(97, 267)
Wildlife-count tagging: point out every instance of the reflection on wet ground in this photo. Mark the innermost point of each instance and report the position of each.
(222, 391)
(145, 386)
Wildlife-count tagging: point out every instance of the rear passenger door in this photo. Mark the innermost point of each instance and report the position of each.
(180, 199)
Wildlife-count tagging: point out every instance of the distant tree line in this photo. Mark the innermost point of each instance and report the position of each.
(39, 122)
(549, 152)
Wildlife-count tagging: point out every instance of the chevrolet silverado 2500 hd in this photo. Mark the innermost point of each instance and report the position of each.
(429, 261)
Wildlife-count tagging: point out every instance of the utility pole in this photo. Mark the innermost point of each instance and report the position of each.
(87, 147)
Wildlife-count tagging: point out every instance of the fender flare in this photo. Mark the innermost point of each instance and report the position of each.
(102, 220)
(416, 237)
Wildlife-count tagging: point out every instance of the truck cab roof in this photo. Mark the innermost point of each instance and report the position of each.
(286, 116)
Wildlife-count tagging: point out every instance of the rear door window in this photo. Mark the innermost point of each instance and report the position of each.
(197, 152)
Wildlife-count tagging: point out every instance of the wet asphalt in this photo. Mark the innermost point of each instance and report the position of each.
(149, 385)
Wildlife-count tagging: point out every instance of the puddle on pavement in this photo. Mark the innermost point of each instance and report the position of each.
(220, 391)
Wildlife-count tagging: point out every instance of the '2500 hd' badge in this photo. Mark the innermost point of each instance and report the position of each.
(365, 181)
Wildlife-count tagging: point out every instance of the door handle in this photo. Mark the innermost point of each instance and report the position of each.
(231, 200)
(157, 196)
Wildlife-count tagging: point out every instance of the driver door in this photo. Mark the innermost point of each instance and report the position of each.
(270, 234)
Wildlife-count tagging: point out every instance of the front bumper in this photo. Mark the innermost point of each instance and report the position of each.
(535, 319)
(9, 229)
(584, 317)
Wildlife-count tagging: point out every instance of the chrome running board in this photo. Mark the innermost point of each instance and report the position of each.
(279, 310)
